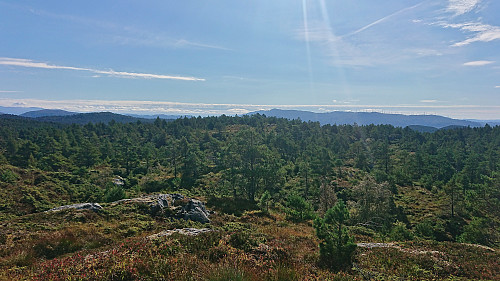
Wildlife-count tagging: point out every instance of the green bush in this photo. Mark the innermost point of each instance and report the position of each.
(8, 176)
(3, 238)
(264, 201)
(475, 232)
(425, 230)
(229, 205)
(114, 194)
(298, 209)
(51, 247)
(337, 246)
(201, 244)
(246, 240)
(399, 232)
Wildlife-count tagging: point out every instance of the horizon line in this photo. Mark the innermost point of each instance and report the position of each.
(214, 109)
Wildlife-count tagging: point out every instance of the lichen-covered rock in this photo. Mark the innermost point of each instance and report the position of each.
(81, 206)
(165, 204)
(195, 210)
(183, 231)
(156, 202)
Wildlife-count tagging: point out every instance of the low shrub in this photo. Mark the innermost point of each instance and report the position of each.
(54, 246)
(225, 273)
(298, 209)
(229, 205)
(399, 232)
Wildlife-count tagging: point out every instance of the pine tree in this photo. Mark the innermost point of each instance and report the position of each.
(336, 247)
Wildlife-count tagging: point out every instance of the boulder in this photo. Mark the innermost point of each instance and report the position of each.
(82, 206)
(156, 202)
(188, 209)
(183, 231)
(195, 210)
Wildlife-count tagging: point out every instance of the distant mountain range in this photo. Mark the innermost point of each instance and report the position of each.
(81, 118)
(95, 117)
(417, 122)
(51, 115)
(162, 116)
(422, 123)
(47, 112)
(17, 110)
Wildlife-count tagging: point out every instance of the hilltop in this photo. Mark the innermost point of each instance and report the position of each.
(420, 206)
(367, 118)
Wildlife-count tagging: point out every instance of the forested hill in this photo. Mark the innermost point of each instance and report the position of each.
(47, 112)
(251, 154)
(96, 117)
(367, 118)
(76, 118)
(397, 184)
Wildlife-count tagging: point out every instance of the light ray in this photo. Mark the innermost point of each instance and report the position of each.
(308, 47)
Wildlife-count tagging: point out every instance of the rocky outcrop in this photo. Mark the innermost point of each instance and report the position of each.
(176, 205)
(171, 205)
(195, 210)
(156, 202)
(183, 231)
(82, 206)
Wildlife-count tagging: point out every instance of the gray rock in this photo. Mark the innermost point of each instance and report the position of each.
(183, 231)
(157, 202)
(164, 204)
(195, 210)
(118, 181)
(82, 206)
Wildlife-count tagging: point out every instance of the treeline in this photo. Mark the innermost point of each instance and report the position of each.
(246, 157)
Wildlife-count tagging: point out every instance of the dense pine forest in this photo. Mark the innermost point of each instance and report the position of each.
(426, 204)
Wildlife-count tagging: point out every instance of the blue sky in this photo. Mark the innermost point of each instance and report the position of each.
(213, 57)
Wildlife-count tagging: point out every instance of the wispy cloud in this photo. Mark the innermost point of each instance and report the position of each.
(143, 38)
(129, 35)
(481, 32)
(476, 30)
(350, 101)
(428, 101)
(460, 7)
(478, 63)
(10, 92)
(340, 50)
(123, 74)
(382, 20)
(360, 48)
(497, 87)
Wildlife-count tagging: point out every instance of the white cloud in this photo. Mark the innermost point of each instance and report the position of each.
(497, 87)
(428, 101)
(478, 63)
(33, 64)
(483, 33)
(460, 7)
(346, 102)
(10, 91)
(476, 30)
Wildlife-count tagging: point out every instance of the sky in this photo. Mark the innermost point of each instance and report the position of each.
(233, 57)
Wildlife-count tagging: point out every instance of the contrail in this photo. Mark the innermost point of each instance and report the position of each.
(382, 20)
